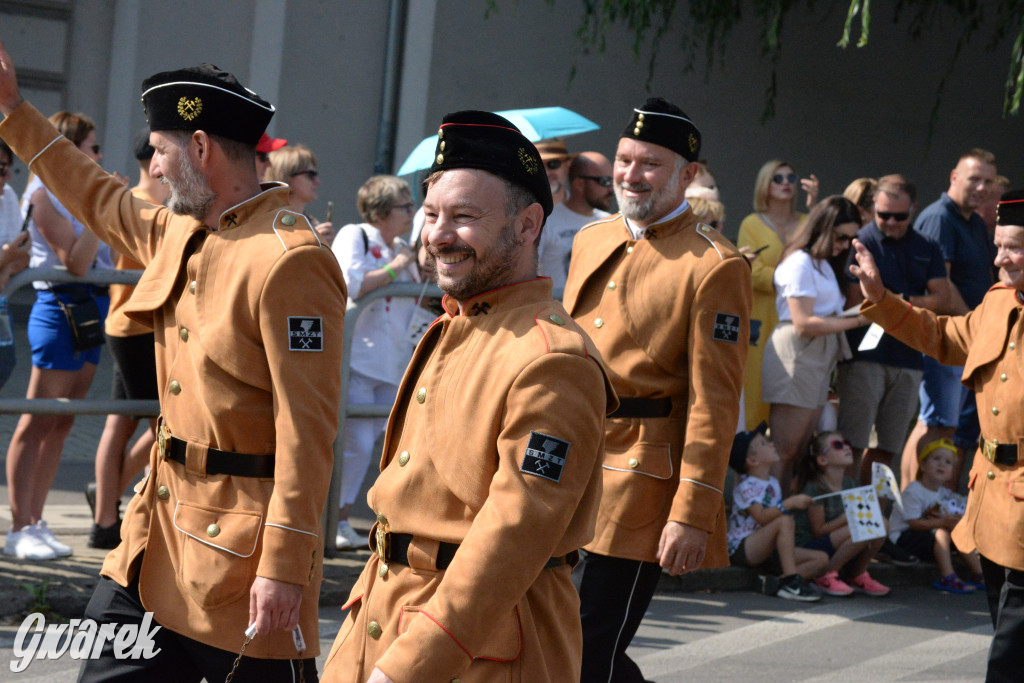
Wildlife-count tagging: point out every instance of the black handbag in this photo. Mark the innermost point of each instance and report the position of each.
(86, 324)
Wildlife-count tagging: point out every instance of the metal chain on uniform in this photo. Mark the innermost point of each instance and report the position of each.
(238, 659)
(248, 639)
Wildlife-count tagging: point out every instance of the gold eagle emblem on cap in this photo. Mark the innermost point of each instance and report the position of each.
(528, 162)
(189, 109)
(693, 142)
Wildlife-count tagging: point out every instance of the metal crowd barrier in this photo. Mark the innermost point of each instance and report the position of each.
(65, 406)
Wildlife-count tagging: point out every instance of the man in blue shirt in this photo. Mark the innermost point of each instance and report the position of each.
(948, 408)
(878, 387)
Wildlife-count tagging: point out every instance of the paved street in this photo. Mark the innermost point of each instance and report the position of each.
(916, 634)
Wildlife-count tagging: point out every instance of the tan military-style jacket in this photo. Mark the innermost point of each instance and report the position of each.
(494, 444)
(989, 343)
(232, 310)
(117, 324)
(670, 315)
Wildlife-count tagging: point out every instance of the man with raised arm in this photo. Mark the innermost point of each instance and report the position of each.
(247, 310)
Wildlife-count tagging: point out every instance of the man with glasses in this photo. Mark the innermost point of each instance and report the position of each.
(590, 193)
(877, 388)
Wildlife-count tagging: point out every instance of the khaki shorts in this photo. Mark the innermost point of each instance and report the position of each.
(882, 396)
(796, 370)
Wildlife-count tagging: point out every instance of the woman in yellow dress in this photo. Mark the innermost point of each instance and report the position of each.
(764, 233)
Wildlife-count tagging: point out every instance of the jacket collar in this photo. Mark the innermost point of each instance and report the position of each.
(502, 298)
(272, 196)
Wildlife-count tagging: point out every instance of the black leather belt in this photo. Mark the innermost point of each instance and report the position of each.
(398, 552)
(643, 407)
(79, 288)
(225, 462)
(999, 453)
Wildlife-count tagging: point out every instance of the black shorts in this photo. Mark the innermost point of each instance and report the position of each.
(920, 543)
(134, 374)
(773, 565)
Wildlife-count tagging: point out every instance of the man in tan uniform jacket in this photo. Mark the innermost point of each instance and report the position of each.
(489, 478)
(667, 302)
(988, 342)
(247, 309)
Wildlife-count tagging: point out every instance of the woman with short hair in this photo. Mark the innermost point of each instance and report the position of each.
(295, 166)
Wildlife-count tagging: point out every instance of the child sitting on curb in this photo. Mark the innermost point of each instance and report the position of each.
(824, 526)
(924, 525)
(760, 524)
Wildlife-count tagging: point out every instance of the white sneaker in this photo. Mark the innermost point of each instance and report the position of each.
(348, 538)
(26, 545)
(46, 536)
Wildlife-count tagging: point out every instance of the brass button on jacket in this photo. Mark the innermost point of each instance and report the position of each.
(163, 493)
(421, 395)
(183, 334)
(192, 287)
(213, 530)
(174, 387)
(403, 458)
(374, 630)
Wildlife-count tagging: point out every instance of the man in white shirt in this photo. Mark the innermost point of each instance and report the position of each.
(590, 195)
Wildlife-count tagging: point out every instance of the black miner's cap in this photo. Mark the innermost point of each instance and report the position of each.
(480, 139)
(665, 124)
(741, 445)
(205, 98)
(1010, 209)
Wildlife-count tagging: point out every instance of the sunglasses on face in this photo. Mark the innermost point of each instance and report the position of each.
(408, 207)
(897, 216)
(311, 172)
(602, 180)
(838, 444)
(554, 164)
(780, 178)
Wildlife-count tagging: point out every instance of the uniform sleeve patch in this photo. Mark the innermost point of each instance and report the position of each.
(305, 333)
(727, 328)
(545, 456)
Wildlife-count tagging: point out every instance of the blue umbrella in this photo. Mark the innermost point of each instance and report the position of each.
(541, 123)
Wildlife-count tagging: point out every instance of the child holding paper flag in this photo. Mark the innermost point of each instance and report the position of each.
(923, 525)
(843, 520)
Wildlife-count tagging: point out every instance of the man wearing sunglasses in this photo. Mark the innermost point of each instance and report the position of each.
(667, 302)
(590, 183)
(879, 385)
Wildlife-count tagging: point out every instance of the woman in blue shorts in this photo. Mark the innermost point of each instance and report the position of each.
(58, 370)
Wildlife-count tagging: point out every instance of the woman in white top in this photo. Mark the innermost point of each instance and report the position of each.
(13, 257)
(58, 369)
(807, 343)
(372, 255)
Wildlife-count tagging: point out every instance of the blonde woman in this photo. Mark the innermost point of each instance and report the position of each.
(862, 193)
(764, 232)
(295, 166)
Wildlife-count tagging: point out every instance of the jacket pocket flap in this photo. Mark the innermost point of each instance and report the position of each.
(233, 531)
(650, 459)
(504, 645)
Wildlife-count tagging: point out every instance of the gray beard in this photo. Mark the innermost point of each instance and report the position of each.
(190, 193)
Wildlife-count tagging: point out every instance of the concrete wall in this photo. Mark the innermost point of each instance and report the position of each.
(840, 114)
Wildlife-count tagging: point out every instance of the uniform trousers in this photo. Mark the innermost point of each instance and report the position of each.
(1005, 588)
(614, 595)
(178, 659)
